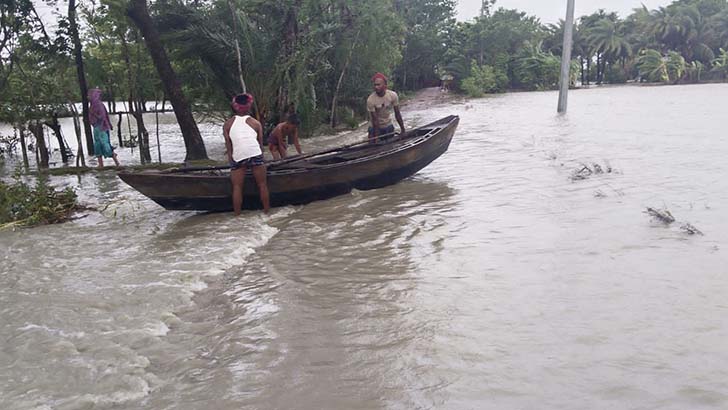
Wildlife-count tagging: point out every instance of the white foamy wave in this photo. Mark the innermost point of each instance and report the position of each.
(197, 286)
(362, 221)
(57, 332)
(233, 246)
(157, 329)
(150, 285)
(184, 260)
(139, 388)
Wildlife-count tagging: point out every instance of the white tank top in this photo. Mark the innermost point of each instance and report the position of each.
(244, 139)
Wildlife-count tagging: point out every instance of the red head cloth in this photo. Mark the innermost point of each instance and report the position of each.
(379, 75)
(242, 103)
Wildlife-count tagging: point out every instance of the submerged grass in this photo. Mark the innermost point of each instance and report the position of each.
(25, 205)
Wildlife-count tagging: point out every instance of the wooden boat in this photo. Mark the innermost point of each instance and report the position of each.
(304, 178)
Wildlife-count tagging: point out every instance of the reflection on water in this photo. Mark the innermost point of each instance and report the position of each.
(491, 279)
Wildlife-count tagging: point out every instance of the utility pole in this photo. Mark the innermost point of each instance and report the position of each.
(566, 56)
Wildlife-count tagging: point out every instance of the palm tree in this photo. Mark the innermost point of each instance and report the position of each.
(582, 47)
(676, 66)
(675, 26)
(652, 66)
(698, 33)
(719, 28)
(587, 25)
(609, 40)
(667, 28)
(582, 51)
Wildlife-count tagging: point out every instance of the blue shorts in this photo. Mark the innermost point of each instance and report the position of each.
(249, 162)
(382, 131)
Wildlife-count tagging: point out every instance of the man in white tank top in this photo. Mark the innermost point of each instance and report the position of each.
(244, 143)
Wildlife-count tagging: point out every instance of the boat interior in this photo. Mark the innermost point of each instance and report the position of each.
(364, 150)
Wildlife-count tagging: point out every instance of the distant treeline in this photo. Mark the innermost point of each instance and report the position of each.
(320, 54)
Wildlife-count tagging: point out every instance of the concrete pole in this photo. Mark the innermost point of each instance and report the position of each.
(566, 56)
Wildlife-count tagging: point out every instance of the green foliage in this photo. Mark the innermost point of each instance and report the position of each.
(534, 69)
(427, 24)
(484, 80)
(40, 83)
(616, 75)
(652, 66)
(720, 64)
(676, 66)
(655, 67)
(695, 71)
(16, 21)
(292, 51)
(25, 205)
(608, 37)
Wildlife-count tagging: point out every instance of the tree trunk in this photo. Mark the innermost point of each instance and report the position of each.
(588, 69)
(135, 104)
(23, 147)
(341, 79)
(290, 44)
(77, 52)
(141, 108)
(194, 146)
(130, 79)
(142, 135)
(118, 130)
(56, 127)
(156, 123)
(112, 98)
(234, 13)
(404, 67)
(77, 126)
(37, 129)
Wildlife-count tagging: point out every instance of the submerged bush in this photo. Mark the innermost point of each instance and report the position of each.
(484, 80)
(25, 205)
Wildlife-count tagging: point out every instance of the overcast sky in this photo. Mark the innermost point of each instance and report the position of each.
(550, 11)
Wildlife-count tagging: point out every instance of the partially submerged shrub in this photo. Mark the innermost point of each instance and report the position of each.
(484, 80)
(25, 205)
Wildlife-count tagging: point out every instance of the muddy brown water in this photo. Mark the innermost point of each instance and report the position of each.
(489, 280)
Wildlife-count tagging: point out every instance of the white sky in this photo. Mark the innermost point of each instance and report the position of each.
(550, 11)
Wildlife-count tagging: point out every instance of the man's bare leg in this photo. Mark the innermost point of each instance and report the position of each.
(116, 160)
(259, 172)
(274, 152)
(237, 178)
(100, 162)
(283, 150)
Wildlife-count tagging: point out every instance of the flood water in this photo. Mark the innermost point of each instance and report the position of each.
(489, 280)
